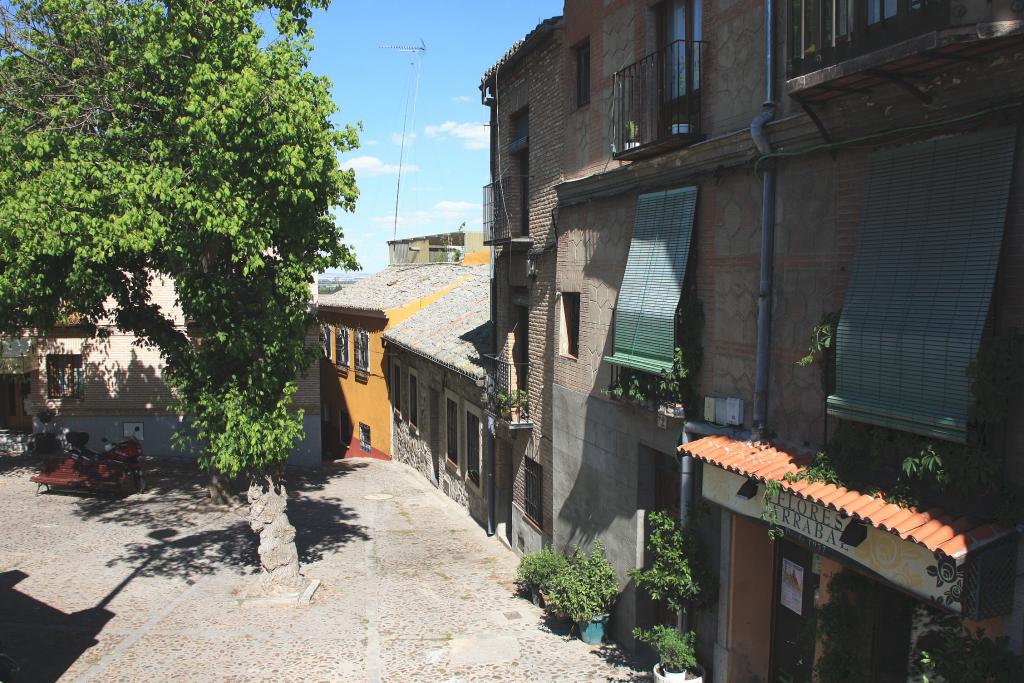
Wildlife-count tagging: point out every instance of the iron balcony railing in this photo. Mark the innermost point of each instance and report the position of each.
(496, 213)
(657, 100)
(511, 399)
(827, 32)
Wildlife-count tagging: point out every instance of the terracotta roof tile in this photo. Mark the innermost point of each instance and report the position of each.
(934, 528)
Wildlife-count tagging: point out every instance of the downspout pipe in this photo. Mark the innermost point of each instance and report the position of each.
(489, 455)
(764, 295)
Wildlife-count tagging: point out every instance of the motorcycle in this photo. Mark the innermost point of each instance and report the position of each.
(116, 466)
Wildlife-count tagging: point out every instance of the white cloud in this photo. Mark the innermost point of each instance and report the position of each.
(473, 135)
(444, 216)
(396, 138)
(372, 166)
(461, 98)
(367, 143)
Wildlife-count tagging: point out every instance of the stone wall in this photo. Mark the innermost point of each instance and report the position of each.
(417, 446)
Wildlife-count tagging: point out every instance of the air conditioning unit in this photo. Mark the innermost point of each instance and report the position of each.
(709, 408)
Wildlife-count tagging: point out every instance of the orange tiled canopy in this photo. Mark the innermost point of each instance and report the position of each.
(936, 530)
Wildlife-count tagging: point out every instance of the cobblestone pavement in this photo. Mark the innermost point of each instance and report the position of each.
(146, 588)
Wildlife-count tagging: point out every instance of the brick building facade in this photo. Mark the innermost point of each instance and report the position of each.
(884, 93)
(523, 91)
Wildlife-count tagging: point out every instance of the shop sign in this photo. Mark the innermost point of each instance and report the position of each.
(901, 562)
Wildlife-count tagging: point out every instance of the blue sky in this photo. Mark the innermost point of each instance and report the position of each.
(445, 165)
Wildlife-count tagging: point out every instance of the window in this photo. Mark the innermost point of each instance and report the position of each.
(362, 351)
(523, 161)
(64, 376)
(473, 459)
(570, 341)
(645, 314)
(520, 130)
(452, 445)
(396, 385)
(583, 74)
(921, 284)
(533, 474)
(414, 398)
(325, 340)
(364, 438)
(341, 346)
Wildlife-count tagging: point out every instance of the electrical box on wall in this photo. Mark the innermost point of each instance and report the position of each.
(709, 408)
(133, 429)
(733, 411)
(723, 410)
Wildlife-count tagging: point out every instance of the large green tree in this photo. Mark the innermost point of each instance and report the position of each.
(175, 138)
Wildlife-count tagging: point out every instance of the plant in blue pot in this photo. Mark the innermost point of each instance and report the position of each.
(584, 590)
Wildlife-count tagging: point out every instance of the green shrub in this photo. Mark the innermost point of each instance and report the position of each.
(676, 577)
(586, 587)
(538, 568)
(675, 649)
(969, 658)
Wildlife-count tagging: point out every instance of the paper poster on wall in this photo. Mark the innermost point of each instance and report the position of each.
(792, 594)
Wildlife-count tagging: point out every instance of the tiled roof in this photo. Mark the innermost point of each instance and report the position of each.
(396, 286)
(521, 47)
(455, 330)
(936, 530)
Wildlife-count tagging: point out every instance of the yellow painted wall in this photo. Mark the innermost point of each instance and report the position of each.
(365, 398)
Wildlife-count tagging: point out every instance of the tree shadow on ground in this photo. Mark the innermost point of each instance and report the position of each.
(636, 667)
(43, 640)
(225, 541)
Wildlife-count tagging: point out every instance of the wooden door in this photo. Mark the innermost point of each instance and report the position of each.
(14, 389)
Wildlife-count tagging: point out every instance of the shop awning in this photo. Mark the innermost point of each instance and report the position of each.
(945, 559)
(942, 533)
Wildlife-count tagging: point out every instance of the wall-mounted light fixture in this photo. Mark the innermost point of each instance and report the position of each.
(854, 533)
(748, 490)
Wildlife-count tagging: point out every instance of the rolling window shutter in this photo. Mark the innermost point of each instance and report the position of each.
(918, 298)
(646, 310)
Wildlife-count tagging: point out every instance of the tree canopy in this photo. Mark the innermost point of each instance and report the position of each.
(175, 138)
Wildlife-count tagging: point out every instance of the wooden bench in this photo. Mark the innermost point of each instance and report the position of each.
(69, 473)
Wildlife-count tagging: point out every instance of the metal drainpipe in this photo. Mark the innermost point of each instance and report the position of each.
(764, 314)
(489, 455)
(686, 495)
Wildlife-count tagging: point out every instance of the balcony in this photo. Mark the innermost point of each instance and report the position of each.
(850, 46)
(501, 215)
(510, 401)
(657, 101)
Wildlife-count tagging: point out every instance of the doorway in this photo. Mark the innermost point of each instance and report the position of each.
(14, 390)
(797, 572)
(434, 406)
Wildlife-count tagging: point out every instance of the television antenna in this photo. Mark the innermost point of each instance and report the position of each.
(414, 81)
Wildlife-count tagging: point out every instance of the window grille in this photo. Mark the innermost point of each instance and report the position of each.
(473, 447)
(341, 346)
(364, 438)
(452, 447)
(362, 351)
(534, 490)
(64, 376)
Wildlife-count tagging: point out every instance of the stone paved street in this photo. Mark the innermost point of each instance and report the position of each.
(146, 588)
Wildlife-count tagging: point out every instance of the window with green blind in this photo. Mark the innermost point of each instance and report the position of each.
(645, 314)
(927, 252)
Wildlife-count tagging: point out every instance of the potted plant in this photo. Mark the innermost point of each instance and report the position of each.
(504, 402)
(536, 571)
(584, 590)
(632, 135)
(676, 575)
(676, 659)
(670, 387)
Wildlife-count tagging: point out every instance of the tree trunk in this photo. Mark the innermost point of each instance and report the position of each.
(279, 558)
(220, 490)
